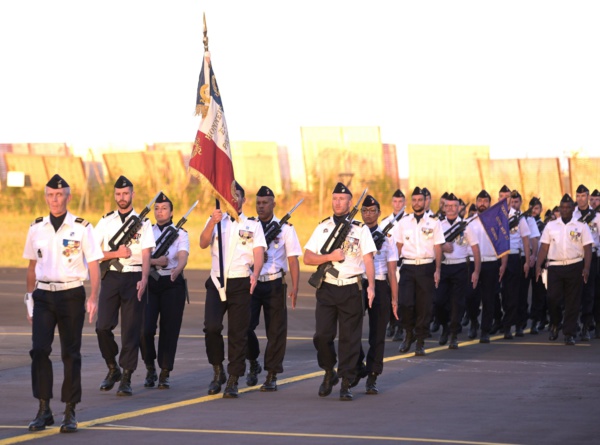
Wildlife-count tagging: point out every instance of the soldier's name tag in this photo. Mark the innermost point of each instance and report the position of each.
(575, 236)
(427, 232)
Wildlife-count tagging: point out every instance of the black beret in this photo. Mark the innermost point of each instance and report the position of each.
(555, 209)
(398, 194)
(341, 188)
(461, 202)
(504, 189)
(240, 188)
(163, 198)
(472, 208)
(484, 194)
(445, 195)
(370, 202)
(548, 213)
(567, 198)
(56, 182)
(426, 192)
(123, 182)
(595, 193)
(451, 197)
(265, 191)
(582, 189)
(418, 191)
(515, 194)
(535, 202)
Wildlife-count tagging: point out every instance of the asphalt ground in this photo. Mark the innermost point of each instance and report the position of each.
(525, 391)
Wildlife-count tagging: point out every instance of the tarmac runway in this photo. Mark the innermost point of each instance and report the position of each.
(525, 391)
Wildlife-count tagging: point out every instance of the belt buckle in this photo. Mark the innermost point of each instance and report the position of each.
(52, 287)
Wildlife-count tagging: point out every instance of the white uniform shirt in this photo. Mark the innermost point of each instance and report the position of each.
(486, 248)
(181, 243)
(594, 227)
(239, 240)
(61, 256)
(388, 252)
(110, 224)
(359, 242)
(566, 241)
(418, 239)
(522, 229)
(285, 244)
(462, 242)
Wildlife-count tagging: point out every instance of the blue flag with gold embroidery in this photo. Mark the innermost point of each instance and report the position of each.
(495, 223)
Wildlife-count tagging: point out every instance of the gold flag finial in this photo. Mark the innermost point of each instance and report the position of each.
(205, 39)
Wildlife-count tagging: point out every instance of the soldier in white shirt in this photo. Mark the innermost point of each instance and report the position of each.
(122, 289)
(567, 243)
(582, 210)
(595, 203)
(419, 238)
(339, 300)
(455, 278)
(61, 249)
(538, 290)
(244, 247)
(270, 293)
(166, 298)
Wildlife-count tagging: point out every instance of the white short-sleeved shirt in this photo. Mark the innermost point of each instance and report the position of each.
(110, 224)
(566, 241)
(181, 243)
(522, 229)
(461, 242)
(285, 244)
(418, 240)
(358, 243)
(486, 248)
(388, 252)
(594, 227)
(239, 240)
(61, 256)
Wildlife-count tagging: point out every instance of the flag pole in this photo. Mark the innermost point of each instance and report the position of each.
(217, 203)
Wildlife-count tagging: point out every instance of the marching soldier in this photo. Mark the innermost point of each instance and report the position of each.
(595, 202)
(386, 297)
(419, 238)
(398, 204)
(582, 198)
(270, 294)
(538, 290)
(455, 276)
(427, 195)
(61, 249)
(122, 289)
(567, 243)
(339, 300)
(243, 256)
(166, 299)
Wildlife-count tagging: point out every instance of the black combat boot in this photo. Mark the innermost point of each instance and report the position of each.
(270, 383)
(43, 417)
(163, 380)
(219, 378)
(329, 381)
(69, 423)
(444, 335)
(345, 393)
(231, 389)
(454, 341)
(407, 343)
(361, 373)
(255, 369)
(114, 375)
(420, 348)
(151, 376)
(371, 387)
(125, 385)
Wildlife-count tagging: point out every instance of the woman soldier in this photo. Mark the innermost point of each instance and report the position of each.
(166, 298)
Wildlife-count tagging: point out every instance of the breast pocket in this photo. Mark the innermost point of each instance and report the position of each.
(42, 251)
(555, 236)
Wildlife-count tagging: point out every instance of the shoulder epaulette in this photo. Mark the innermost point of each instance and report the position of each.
(321, 222)
(38, 220)
(435, 218)
(82, 221)
(357, 223)
(252, 218)
(108, 214)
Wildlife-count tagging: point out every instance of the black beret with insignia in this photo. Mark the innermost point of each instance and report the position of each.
(582, 189)
(484, 194)
(123, 182)
(567, 198)
(595, 193)
(548, 213)
(461, 202)
(56, 182)
(504, 189)
(515, 194)
(240, 188)
(535, 202)
(341, 188)
(445, 195)
(370, 202)
(472, 208)
(418, 191)
(163, 198)
(451, 197)
(555, 209)
(426, 192)
(265, 191)
(398, 194)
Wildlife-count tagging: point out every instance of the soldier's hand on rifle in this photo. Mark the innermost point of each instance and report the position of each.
(123, 251)
(448, 247)
(216, 217)
(337, 255)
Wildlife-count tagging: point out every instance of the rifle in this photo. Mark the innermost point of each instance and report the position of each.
(589, 217)
(166, 240)
(124, 235)
(379, 237)
(274, 228)
(335, 241)
(514, 220)
(454, 232)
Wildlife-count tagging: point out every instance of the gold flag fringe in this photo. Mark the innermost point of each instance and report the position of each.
(225, 205)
